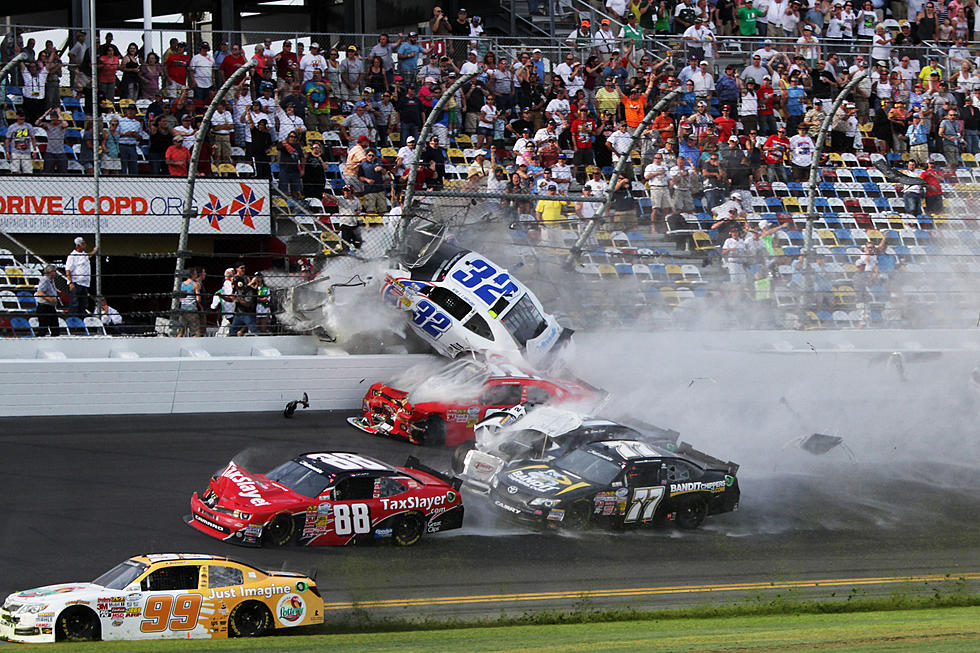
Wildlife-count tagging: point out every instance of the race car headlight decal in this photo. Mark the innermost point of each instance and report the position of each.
(33, 608)
(238, 514)
(494, 482)
(547, 503)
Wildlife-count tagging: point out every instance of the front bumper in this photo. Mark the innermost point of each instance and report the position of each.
(221, 526)
(517, 510)
(14, 628)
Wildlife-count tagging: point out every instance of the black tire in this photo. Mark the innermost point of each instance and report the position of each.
(249, 619)
(407, 529)
(78, 624)
(290, 410)
(577, 516)
(280, 531)
(435, 432)
(691, 513)
(459, 455)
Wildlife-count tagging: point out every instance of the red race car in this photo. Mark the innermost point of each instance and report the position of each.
(320, 499)
(444, 408)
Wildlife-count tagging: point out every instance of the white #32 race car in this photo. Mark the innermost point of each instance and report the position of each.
(165, 595)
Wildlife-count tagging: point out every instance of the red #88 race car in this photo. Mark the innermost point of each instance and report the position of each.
(444, 408)
(322, 499)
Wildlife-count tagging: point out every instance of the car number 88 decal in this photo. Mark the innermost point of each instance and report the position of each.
(354, 518)
(430, 319)
(645, 501)
(489, 283)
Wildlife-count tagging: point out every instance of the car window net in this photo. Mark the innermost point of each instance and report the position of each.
(524, 321)
(589, 466)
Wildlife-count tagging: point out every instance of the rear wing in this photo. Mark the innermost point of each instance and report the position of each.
(659, 434)
(709, 462)
(414, 463)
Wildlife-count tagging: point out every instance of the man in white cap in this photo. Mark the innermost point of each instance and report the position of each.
(311, 61)
(78, 271)
(480, 167)
(404, 158)
(225, 299)
(471, 65)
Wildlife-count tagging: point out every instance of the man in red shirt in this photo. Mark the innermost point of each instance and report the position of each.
(934, 191)
(232, 61)
(177, 64)
(726, 124)
(287, 63)
(177, 157)
(583, 129)
(767, 99)
(775, 151)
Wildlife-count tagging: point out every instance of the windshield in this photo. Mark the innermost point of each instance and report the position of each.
(589, 466)
(120, 576)
(524, 321)
(299, 479)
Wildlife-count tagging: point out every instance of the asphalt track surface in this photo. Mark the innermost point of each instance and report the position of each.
(83, 493)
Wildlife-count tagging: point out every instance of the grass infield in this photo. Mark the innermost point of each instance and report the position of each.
(946, 624)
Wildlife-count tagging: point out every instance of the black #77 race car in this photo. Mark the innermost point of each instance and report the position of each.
(615, 484)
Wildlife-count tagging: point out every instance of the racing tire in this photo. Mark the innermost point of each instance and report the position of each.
(691, 513)
(280, 531)
(459, 455)
(249, 619)
(407, 529)
(78, 624)
(577, 516)
(435, 432)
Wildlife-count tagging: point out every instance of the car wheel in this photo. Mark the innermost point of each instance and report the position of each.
(459, 455)
(249, 619)
(78, 625)
(435, 432)
(280, 531)
(577, 516)
(691, 513)
(407, 530)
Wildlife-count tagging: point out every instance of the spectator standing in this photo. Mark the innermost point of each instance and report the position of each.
(186, 131)
(160, 139)
(149, 74)
(385, 49)
(657, 176)
(347, 215)
(775, 150)
(934, 190)
(408, 56)
(176, 65)
(177, 157)
(201, 68)
(801, 149)
(314, 174)
(55, 159)
(263, 303)
(222, 128)
(371, 174)
(680, 186)
(78, 271)
(245, 294)
(129, 137)
(130, 66)
(51, 60)
(911, 193)
(950, 135)
(225, 301)
(21, 144)
(287, 63)
(355, 155)
(311, 61)
(357, 125)
(291, 166)
(583, 130)
(351, 75)
(714, 178)
(46, 295)
(77, 55)
(34, 79)
(190, 305)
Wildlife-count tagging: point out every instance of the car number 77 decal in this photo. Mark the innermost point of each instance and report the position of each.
(489, 283)
(645, 501)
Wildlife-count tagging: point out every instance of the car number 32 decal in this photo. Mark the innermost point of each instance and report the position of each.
(488, 282)
(645, 502)
(430, 319)
(163, 612)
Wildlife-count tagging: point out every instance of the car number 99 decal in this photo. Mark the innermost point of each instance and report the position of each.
(185, 609)
(488, 282)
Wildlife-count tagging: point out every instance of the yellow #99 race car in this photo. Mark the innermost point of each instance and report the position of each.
(164, 595)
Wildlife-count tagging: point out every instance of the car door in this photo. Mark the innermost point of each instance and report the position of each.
(645, 492)
(353, 508)
(171, 601)
(223, 583)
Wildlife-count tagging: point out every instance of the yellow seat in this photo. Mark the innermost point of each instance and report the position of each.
(373, 219)
(604, 237)
(11, 115)
(464, 139)
(456, 155)
(702, 240)
(874, 235)
(66, 92)
(126, 102)
(607, 271)
(337, 119)
(590, 169)
(844, 296)
(16, 276)
(827, 238)
(37, 164)
(674, 273)
(792, 205)
(280, 203)
(836, 159)
(330, 242)
(314, 137)
(395, 138)
(389, 153)
(227, 169)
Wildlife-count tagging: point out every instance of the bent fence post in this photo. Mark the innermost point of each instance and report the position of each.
(192, 175)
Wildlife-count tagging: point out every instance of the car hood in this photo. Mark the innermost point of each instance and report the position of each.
(541, 480)
(50, 593)
(237, 487)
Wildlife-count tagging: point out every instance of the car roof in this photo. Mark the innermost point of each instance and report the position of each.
(339, 463)
(628, 450)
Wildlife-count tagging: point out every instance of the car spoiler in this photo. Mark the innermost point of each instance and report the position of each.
(710, 462)
(414, 463)
(645, 428)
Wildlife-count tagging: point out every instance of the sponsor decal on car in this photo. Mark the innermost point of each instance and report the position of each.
(246, 486)
(291, 609)
(545, 480)
(503, 505)
(556, 514)
(697, 486)
(422, 503)
(268, 591)
(382, 532)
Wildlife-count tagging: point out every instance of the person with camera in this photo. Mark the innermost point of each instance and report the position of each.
(245, 293)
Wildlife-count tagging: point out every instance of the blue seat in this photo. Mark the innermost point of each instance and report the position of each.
(14, 90)
(78, 117)
(871, 189)
(336, 184)
(795, 237)
(887, 262)
(22, 328)
(26, 300)
(624, 269)
(922, 235)
(795, 189)
(71, 104)
(860, 175)
(659, 272)
(833, 222)
(791, 251)
(822, 205)
(651, 293)
(775, 203)
(637, 239)
(844, 237)
(825, 317)
(72, 133)
(894, 158)
(76, 326)
(925, 219)
(646, 206)
(901, 250)
(607, 170)
(828, 189)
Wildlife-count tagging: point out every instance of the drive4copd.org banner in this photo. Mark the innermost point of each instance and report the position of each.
(133, 205)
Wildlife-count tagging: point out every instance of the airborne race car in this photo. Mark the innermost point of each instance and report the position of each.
(583, 477)
(427, 415)
(327, 499)
(164, 595)
(462, 302)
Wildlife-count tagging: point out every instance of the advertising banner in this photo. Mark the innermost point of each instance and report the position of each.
(133, 205)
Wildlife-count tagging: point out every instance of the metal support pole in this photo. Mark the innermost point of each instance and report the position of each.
(23, 56)
(617, 171)
(419, 145)
(811, 212)
(147, 27)
(93, 45)
(192, 175)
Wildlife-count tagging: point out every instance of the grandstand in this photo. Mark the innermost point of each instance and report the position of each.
(661, 274)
